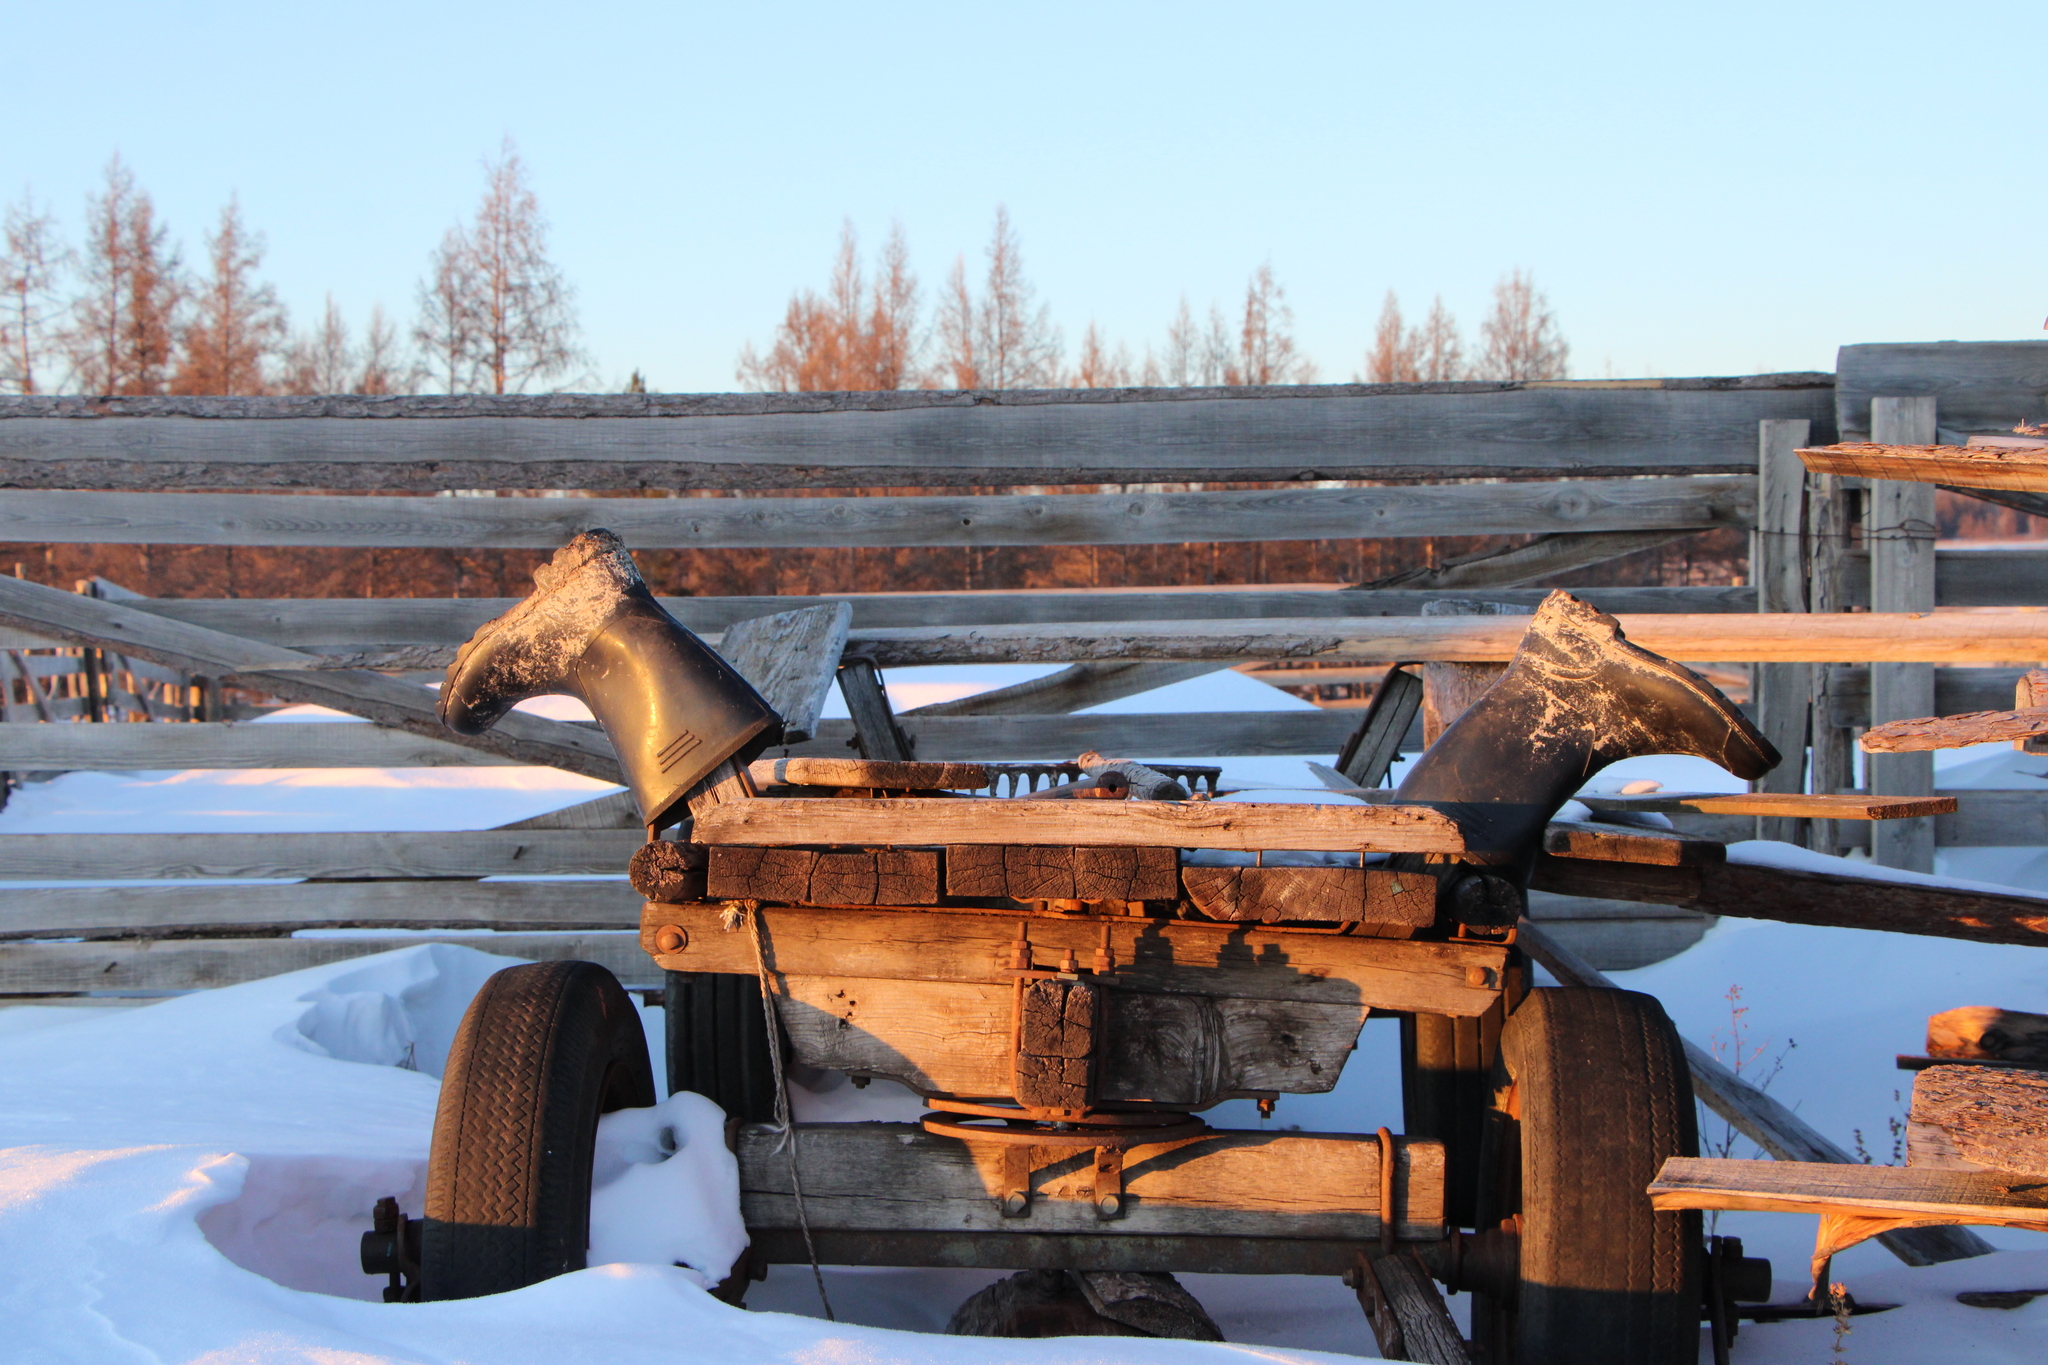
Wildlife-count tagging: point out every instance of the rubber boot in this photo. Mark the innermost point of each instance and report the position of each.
(1577, 697)
(672, 708)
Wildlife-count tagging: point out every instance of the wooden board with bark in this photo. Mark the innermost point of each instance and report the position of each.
(1965, 466)
(1989, 1118)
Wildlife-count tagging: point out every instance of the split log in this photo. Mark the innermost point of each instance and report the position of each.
(1981, 1031)
(1955, 732)
(1407, 1314)
(1325, 894)
(799, 876)
(1035, 872)
(664, 870)
(1144, 784)
(1195, 824)
(876, 774)
(2024, 468)
(1989, 1117)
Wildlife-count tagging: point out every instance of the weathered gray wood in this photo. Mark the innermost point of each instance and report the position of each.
(198, 964)
(790, 658)
(1900, 532)
(1830, 518)
(1991, 1116)
(1758, 1117)
(1957, 691)
(33, 747)
(1372, 748)
(1176, 957)
(1781, 695)
(616, 811)
(277, 670)
(1069, 690)
(1852, 1188)
(874, 723)
(983, 820)
(904, 438)
(1407, 1313)
(183, 911)
(337, 856)
(1981, 385)
(1559, 552)
(1678, 504)
(1229, 1184)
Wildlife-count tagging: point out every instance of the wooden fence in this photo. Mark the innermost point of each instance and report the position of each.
(1599, 468)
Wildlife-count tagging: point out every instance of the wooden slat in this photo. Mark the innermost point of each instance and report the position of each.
(33, 747)
(912, 438)
(996, 519)
(198, 964)
(1781, 695)
(1237, 1184)
(790, 658)
(2018, 467)
(867, 772)
(1954, 732)
(1179, 957)
(1979, 385)
(1847, 806)
(1854, 1188)
(1956, 691)
(1069, 690)
(165, 911)
(279, 671)
(406, 854)
(1612, 844)
(977, 820)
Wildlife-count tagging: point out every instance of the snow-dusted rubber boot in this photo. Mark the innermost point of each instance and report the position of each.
(672, 708)
(1577, 697)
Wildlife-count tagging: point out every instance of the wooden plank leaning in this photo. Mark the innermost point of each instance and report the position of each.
(287, 673)
(1758, 1117)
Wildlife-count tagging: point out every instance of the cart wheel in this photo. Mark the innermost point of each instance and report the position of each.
(544, 1049)
(1591, 1096)
(718, 1042)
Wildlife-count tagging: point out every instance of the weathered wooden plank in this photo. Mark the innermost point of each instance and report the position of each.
(1990, 1116)
(1849, 1188)
(790, 658)
(1926, 733)
(198, 964)
(978, 820)
(1956, 691)
(876, 733)
(1979, 385)
(1781, 695)
(33, 747)
(277, 670)
(1237, 1184)
(780, 523)
(1175, 956)
(354, 856)
(1408, 1317)
(2016, 467)
(868, 772)
(1069, 690)
(913, 438)
(1899, 530)
(1613, 844)
(185, 911)
(1842, 806)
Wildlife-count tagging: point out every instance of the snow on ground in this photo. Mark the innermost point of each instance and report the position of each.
(185, 1181)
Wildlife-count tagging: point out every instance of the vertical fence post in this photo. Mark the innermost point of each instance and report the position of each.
(1782, 694)
(1900, 533)
(1829, 519)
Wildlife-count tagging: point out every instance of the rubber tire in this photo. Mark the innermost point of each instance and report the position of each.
(543, 1050)
(717, 1033)
(1600, 1097)
(1446, 1069)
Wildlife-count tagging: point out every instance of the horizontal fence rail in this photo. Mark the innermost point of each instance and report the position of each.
(1677, 504)
(423, 854)
(917, 439)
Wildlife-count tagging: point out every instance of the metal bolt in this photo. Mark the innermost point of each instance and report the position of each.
(1014, 1204)
(1478, 976)
(1110, 1205)
(670, 938)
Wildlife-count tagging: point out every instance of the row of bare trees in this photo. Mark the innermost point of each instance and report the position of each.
(871, 333)
(120, 314)
(864, 333)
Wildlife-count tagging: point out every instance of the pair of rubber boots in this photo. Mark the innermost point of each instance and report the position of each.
(1577, 697)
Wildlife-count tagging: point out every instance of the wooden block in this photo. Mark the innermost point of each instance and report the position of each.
(1055, 1043)
(878, 774)
(976, 870)
(1126, 874)
(906, 876)
(1035, 873)
(667, 871)
(767, 874)
(1405, 898)
(1992, 1116)
(1052, 1082)
(1312, 894)
(1610, 844)
(843, 878)
(1984, 1032)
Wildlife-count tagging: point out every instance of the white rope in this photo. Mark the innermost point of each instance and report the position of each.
(782, 1118)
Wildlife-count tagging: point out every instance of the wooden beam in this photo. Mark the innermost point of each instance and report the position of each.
(979, 820)
(337, 856)
(1239, 1184)
(1981, 385)
(1956, 691)
(1850, 1188)
(2018, 467)
(183, 911)
(1614, 844)
(34, 747)
(1314, 513)
(867, 772)
(1758, 1117)
(1800, 805)
(286, 673)
(1546, 556)
(1926, 733)
(168, 965)
(1069, 690)
(1175, 957)
(909, 438)
(1781, 695)
(1899, 530)
(875, 730)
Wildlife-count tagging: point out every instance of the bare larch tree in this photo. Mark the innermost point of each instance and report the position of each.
(124, 320)
(29, 310)
(1520, 338)
(236, 325)
(1266, 351)
(1003, 340)
(851, 338)
(1098, 367)
(1392, 357)
(322, 360)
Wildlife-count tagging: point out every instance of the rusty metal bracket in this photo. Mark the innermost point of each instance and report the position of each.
(1016, 1196)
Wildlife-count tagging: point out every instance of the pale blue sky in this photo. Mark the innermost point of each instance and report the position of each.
(1703, 189)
